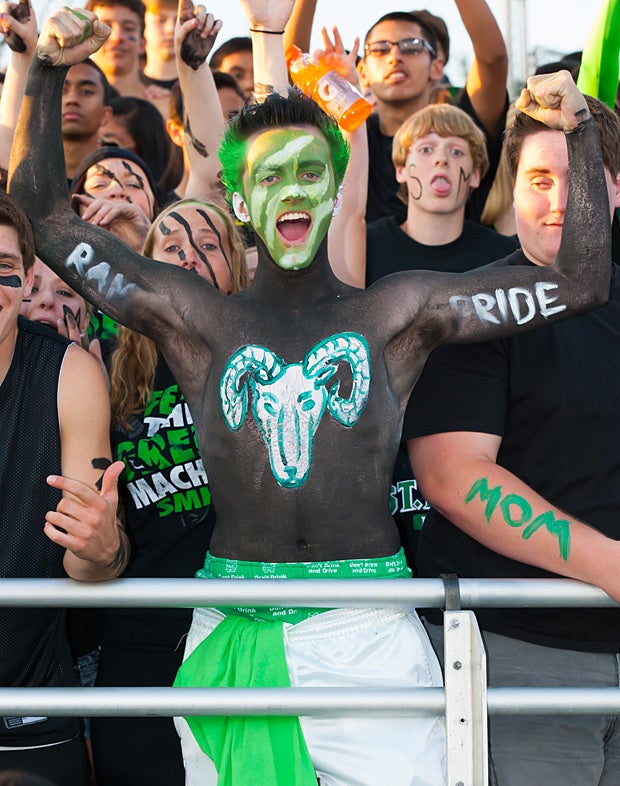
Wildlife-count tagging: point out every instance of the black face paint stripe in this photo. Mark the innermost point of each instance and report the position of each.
(463, 178)
(414, 179)
(11, 281)
(198, 250)
(128, 168)
(212, 227)
(101, 170)
(67, 312)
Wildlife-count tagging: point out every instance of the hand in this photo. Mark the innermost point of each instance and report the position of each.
(123, 219)
(69, 328)
(18, 25)
(84, 521)
(195, 34)
(267, 14)
(554, 100)
(69, 36)
(337, 57)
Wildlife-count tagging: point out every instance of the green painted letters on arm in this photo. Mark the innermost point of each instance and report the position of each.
(558, 527)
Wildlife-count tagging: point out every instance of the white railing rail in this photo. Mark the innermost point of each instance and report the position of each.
(466, 701)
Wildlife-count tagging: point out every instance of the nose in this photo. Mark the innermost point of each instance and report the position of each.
(190, 259)
(441, 157)
(115, 190)
(293, 193)
(70, 96)
(117, 32)
(558, 198)
(394, 53)
(43, 299)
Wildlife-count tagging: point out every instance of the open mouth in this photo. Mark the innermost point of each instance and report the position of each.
(293, 228)
(48, 323)
(441, 185)
(396, 76)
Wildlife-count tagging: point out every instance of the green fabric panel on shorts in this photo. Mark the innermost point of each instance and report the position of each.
(242, 653)
(393, 567)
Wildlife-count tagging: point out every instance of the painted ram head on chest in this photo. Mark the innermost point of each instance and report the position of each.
(288, 401)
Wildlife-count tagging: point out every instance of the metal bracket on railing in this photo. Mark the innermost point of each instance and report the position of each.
(452, 590)
(466, 693)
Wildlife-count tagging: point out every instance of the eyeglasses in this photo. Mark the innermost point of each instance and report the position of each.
(406, 46)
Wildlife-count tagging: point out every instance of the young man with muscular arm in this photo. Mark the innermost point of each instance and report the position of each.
(301, 380)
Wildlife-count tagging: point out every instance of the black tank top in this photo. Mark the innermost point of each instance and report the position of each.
(33, 643)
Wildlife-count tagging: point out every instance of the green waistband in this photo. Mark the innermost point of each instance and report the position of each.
(393, 567)
(375, 568)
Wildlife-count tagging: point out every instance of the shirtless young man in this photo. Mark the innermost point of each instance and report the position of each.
(300, 383)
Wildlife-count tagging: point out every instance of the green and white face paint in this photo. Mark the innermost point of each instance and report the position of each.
(290, 191)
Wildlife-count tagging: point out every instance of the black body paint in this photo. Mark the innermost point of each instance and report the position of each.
(100, 463)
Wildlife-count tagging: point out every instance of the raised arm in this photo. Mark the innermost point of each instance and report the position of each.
(347, 232)
(18, 23)
(298, 30)
(267, 20)
(499, 300)
(137, 292)
(203, 121)
(486, 78)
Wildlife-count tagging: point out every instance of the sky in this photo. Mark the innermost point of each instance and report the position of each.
(553, 27)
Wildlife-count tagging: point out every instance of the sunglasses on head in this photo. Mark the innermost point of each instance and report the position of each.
(406, 46)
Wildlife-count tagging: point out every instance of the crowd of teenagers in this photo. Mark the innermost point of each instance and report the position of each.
(239, 341)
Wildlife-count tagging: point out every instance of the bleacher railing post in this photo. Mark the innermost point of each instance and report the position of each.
(466, 700)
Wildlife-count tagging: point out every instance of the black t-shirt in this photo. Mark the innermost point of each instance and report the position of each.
(166, 84)
(553, 396)
(383, 199)
(168, 511)
(390, 250)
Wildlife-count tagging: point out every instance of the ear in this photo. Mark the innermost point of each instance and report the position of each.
(106, 116)
(474, 180)
(437, 69)
(142, 49)
(401, 174)
(240, 208)
(175, 132)
(338, 201)
(28, 281)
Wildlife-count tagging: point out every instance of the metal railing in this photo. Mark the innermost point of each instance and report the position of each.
(465, 701)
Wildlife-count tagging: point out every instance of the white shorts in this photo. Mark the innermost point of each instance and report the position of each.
(351, 648)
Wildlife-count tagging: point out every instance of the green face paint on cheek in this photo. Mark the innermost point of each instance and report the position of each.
(290, 189)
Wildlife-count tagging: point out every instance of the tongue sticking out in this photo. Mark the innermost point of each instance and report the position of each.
(293, 230)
